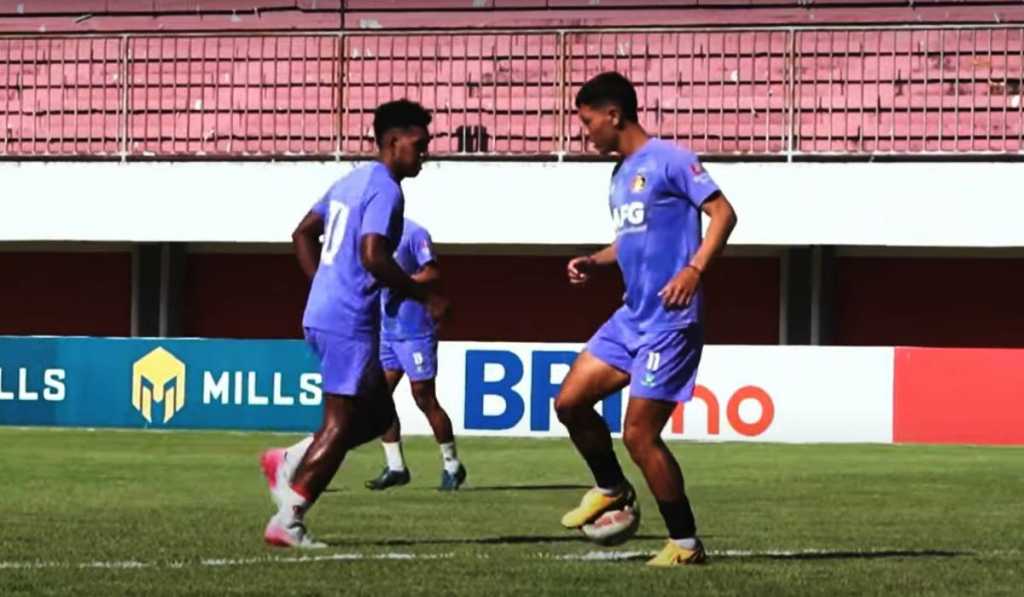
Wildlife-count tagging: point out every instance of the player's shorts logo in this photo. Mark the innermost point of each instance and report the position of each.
(638, 183)
(653, 362)
(158, 377)
(417, 359)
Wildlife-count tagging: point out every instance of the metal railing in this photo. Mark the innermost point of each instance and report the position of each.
(786, 92)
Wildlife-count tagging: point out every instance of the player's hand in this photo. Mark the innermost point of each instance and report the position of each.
(681, 289)
(579, 269)
(438, 306)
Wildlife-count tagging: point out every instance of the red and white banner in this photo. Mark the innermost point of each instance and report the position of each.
(959, 396)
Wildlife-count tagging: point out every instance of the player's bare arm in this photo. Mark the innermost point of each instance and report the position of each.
(306, 241)
(580, 268)
(376, 254)
(683, 286)
(429, 274)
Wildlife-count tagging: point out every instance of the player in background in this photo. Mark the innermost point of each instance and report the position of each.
(653, 342)
(360, 219)
(409, 347)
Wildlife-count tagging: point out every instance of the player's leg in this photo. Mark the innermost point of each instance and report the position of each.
(453, 472)
(394, 472)
(645, 420)
(349, 421)
(393, 372)
(314, 472)
(279, 465)
(589, 381)
(391, 378)
(419, 358)
(356, 408)
(663, 376)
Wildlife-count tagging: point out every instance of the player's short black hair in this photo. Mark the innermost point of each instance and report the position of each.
(610, 88)
(399, 114)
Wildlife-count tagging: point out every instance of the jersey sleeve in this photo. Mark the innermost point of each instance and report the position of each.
(383, 213)
(422, 247)
(320, 208)
(687, 176)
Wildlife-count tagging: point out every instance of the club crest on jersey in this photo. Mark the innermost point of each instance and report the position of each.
(424, 249)
(699, 173)
(628, 215)
(638, 183)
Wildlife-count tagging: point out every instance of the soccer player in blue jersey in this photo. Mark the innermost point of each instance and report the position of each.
(360, 219)
(653, 343)
(409, 347)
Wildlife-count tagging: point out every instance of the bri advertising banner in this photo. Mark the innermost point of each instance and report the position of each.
(745, 393)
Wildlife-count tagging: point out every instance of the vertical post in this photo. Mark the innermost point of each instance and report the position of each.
(158, 278)
(125, 45)
(790, 74)
(339, 122)
(562, 142)
(795, 302)
(146, 265)
(823, 282)
(172, 280)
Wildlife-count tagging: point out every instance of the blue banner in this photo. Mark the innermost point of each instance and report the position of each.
(158, 383)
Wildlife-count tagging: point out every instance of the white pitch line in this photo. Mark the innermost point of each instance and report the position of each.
(589, 556)
(225, 562)
(597, 556)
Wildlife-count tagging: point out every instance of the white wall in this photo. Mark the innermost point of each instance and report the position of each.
(924, 204)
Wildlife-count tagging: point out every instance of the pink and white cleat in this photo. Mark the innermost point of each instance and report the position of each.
(274, 469)
(291, 534)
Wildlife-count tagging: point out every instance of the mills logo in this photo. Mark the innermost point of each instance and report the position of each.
(158, 377)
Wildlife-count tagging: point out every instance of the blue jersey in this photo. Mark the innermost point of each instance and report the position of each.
(655, 200)
(345, 298)
(404, 318)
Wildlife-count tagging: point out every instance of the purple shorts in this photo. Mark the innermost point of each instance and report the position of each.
(662, 365)
(348, 364)
(417, 357)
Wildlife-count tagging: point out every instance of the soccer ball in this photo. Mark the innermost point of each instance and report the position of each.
(614, 527)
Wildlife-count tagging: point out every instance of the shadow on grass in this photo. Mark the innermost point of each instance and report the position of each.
(476, 488)
(562, 487)
(739, 556)
(498, 540)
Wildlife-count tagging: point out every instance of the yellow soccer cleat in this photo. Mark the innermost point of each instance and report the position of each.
(596, 503)
(673, 555)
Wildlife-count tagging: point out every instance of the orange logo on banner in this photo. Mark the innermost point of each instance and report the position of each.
(732, 411)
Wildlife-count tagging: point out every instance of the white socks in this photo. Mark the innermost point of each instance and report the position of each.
(610, 491)
(688, 543)
(396, 460)
(293, 455)
(293, 506)
(393, 452)
(449, 457)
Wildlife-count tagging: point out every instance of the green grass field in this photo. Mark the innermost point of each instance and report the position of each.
(119, 512)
